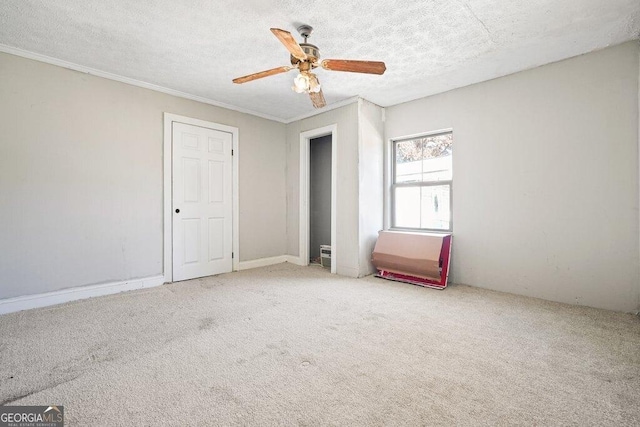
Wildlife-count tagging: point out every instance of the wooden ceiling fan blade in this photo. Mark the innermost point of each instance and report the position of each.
(367, 67)
(318, 99)
(262, 74)
(290, 43)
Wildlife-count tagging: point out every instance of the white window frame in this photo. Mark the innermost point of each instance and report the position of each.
(393, 185)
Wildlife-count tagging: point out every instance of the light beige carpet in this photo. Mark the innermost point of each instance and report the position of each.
(287, 345)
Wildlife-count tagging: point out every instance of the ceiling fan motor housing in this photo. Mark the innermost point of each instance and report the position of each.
(313, 54)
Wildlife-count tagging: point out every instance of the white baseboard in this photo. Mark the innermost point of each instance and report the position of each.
(26, 302)
(261, 262)
(296, 260)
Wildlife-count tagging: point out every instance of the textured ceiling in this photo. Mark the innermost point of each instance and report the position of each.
(199, 46)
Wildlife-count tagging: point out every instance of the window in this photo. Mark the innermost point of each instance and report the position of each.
(421, 186)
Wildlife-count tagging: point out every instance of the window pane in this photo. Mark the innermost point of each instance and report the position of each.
(423, 207)
(408, 166)
(435, 203)
(407, 207)
(424, 159)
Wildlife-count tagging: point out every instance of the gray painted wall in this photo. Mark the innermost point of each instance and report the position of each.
(371, 188)
(346, 248)
(545, 190)
(360, 172)
(81, 183)
(319, 194)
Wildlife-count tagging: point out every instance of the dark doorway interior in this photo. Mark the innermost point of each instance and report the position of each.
(319, 195)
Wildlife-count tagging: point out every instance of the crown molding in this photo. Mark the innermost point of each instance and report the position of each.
(139, 83)
(329, 107)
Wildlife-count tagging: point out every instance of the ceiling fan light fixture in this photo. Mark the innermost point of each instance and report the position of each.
(314, 84)
(306, 83)
(301, 83)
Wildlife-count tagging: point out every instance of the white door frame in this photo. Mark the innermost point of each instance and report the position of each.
(167, 176)
(305, 140)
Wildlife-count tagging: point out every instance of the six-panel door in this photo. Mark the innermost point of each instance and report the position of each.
(202, 202)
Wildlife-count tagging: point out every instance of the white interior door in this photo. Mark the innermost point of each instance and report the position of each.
(202, 201)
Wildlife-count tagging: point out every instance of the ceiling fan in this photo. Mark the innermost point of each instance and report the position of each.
(304, 58)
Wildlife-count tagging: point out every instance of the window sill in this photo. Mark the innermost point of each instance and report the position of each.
(419, 231)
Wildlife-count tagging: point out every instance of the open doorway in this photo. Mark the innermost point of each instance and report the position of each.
(324, 177)
(320, 200)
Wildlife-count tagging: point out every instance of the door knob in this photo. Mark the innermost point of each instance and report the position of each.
(177, 210)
